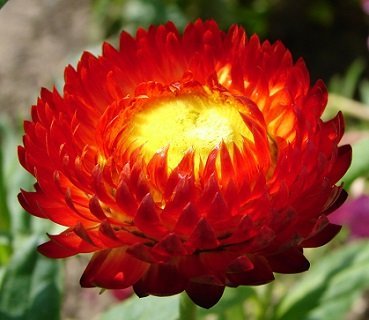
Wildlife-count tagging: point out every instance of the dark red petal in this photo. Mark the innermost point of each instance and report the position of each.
(107, 236)
(147, 218)
(125, 199)
(290, 261)
(217, 262)
(241, 264)
(95, 208)
(203, 237)
(261, 273)
(160, 280)
(316, 99)
(342, 163)
(192, 267)
(55, 250)
(204, 295)
(142, 252)
(340, 199)
(322, 237)
(170, 246)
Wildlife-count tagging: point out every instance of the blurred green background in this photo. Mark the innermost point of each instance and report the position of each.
(39, 37)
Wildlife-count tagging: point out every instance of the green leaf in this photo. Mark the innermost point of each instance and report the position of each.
(153, 308)
(2, 2)
(347, 84)
(330, 288)
(13, 176)
(5, 214)
(364, 91)
(31, 288)
(360, 162)
(4, 210)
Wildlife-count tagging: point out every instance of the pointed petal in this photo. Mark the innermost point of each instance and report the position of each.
(160, 280)
(147, 218)
(170, 246)
(204, 295)
(342, 163)
(290, 261)
(125, 199)
(218, 210)
(203, 237)
(187, 220)
(261, 273)
(113, 269)
(322, 237)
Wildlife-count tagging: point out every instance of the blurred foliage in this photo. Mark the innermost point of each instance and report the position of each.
(30, 284)
(330, 287)
(360, 162)
(350, 82)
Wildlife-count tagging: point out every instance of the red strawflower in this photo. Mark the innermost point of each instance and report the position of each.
(185, 162)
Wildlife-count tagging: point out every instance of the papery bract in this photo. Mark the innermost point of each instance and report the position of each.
(185, 162)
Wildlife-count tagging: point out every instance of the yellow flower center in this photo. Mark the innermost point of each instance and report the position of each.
(200, 122)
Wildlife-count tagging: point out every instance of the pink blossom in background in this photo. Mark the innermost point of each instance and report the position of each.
(354, 214)
(122, 294)
(365, 6)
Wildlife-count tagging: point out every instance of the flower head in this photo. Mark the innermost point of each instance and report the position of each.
(185, 162)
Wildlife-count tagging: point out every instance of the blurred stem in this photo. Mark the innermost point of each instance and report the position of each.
(266, 303)
(235, 313)
(4, 209)
(187, 309)
(349, 106)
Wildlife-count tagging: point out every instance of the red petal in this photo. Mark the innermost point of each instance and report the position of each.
(339, 200)
(290, 261)
(204, 295)
(66, 244)
(55, 250)
(203, 237)
(244, 231)
(342, 163)
(147, 218)
(241, 264)
(227, 171)
(113, 269)
(260, 274)
(142, 252)
(96, 209)
(322, 237)
(187, 220)
(170, 246)
(125, 199)
(157, 169)
(160, 280)
(218, 210)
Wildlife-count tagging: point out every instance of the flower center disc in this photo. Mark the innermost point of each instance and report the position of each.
(188, 121)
